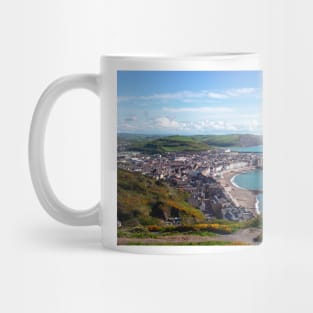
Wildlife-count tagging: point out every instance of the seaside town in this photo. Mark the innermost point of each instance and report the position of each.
(205, 175)
(189, 157)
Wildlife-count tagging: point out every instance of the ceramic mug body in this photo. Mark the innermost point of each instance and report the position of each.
(181, 153)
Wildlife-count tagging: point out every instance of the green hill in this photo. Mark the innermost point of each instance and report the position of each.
(192, 143)
(123, 138)
(232, 140)
(144, 201)
(170, 144)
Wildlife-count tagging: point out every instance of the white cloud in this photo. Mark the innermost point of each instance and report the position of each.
(127, 126)
(167, 96)
(165, 122)
(131, 118)
(202, 100)
(204, 126)
(235, 92)
(252, 125)
(199, 109)
(215, 95)
(240, 91)
(193, 95)
(208, 125)
(168, 125)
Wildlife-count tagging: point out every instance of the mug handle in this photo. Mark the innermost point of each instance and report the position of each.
(38, 172)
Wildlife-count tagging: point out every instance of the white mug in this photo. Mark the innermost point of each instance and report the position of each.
(183, 171)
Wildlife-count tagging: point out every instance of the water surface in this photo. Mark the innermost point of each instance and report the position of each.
(258, 149)
(252, 180)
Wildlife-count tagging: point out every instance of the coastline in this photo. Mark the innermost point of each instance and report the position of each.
(257, 206)
(240, 196)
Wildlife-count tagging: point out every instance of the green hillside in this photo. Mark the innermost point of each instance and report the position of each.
(232, 140)
(144, 201)
(170, 144)
(191, 143)
(123, 138)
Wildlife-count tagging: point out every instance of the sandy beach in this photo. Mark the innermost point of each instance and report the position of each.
(241, 197)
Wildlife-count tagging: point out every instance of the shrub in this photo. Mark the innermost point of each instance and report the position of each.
(154, 228)
(185, 228)
(149, 220)
(201, 226)
(169, 228)
(131, 222)
(138, 229)
(256, 222)
(220, 229)
(214, 227)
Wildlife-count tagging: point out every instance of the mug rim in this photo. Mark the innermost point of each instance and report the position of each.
(197, 56)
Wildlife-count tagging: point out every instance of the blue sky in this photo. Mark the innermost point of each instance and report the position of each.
(189, 102)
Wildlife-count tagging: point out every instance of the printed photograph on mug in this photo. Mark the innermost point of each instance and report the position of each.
(189, 158)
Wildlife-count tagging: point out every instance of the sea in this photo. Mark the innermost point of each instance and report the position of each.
(257, 149)
(252, 180)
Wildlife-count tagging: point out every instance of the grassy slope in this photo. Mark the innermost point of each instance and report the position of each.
(170, 144)
(193, 143)
(239, 140)
(142, 200)
(127, 138)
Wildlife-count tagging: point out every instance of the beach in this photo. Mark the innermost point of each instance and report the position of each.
(241, 197)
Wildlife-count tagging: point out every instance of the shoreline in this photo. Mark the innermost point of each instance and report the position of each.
(240, 196)
(257, 206)
(232, 180)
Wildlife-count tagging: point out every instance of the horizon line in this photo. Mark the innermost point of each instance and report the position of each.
(195, 134)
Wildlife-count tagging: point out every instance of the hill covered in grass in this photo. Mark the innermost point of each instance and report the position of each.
(144, 201)
(123, 138)
(153, 145)
(170, 144)
(232, 140)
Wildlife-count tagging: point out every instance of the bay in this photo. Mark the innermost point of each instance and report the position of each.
(252, 180)
(256, 149)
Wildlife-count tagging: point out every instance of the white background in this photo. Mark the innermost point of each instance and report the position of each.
(49, 267)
